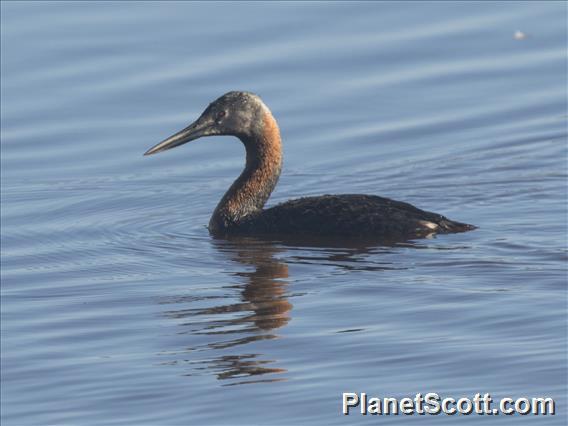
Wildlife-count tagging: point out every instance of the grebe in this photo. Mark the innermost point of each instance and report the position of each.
(240, 211)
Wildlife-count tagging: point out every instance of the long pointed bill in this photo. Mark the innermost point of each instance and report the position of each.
(190, 133)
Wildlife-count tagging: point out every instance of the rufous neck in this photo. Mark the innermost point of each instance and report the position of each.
(249, 193)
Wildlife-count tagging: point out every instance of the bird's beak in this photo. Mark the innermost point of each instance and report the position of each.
(190, 133)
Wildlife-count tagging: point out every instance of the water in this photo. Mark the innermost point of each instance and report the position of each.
(119, 308)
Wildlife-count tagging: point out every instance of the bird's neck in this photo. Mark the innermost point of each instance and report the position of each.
(248, 194)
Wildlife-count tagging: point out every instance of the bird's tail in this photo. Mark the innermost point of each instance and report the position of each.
(447, 225)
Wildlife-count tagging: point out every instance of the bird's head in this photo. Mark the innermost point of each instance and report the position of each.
(240, 114)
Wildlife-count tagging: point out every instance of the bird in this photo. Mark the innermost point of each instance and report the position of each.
(241, 210)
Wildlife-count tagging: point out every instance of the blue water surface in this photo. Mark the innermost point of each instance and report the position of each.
(119, 308)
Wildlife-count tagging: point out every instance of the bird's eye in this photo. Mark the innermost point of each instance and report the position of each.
(221, 114)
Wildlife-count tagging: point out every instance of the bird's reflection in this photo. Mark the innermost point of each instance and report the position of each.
(263, 308)
(266, 287)
(227, 323)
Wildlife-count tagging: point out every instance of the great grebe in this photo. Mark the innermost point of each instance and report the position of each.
(240, 211)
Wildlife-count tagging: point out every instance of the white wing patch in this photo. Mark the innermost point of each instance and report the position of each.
(429, 225)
